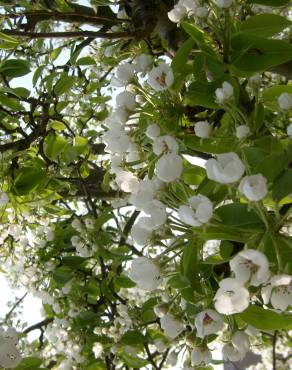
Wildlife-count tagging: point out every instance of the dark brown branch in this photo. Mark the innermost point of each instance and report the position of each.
(39, 16)
(69, 34)
(39, 325)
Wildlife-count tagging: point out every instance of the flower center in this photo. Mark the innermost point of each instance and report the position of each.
(161, 79)
(207, 320)
(252, 267)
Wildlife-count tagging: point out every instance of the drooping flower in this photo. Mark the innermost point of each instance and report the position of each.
(4, 199)
(161, 77)
(228, 168)
(9, 355)
(231, 297)
(250, 265)
(145, 273)
(97, 349)
(143, 62)
(127, 181)
(254, 187)
(285, 101)
(278, 292)
(224, 93)
(199, 212)
(165, 144)
(203, 129)
(177, 13)
(224, 3)
(200, 355)
(238, 348)
(153, 131)
(242, 132)
(171, 326)
(169, 167)
(126, 100)
(124, 74)
(140, 233)
(208, 322)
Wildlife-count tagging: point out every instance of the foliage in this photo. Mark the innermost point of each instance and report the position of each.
(146, 180)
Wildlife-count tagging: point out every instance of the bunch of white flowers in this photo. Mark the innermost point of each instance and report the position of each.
(187, 8)
(9, 354)
(145, 273)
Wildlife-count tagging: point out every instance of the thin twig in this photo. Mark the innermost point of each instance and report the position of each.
(69, 34)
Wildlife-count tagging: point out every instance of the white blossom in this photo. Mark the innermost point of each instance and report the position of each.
(285, 101)
(171, 326)
(126, 100)
(250, 265)
(200, 355)
(238, 348)
(161, 77)
(169, 167)
(208, 322)
(9, 355)
(141, 234)
(157, 212)
(124, 74)
(203, 129)
(165, 144)
(199, 212)
(231, 297)
(278, 292)
(228, 168)
(177, 13)
(152, 131)
(143, 62)
(254, 187)
(242, 132)
(224, 3)
(127, 181)
(145, 273)
(224, 93)
(97, 349)
(4, 199)
(161, 310)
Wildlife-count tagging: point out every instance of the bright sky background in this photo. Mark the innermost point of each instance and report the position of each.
(32, 306)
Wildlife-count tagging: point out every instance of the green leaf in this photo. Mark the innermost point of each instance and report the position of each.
(271, 95)
(238, 215)
(11, 103)
(275, 3)
(55, 145)
(62, 275)
(202, 94)
(282, 187)
(265, 25)
(272, 165)
(211, 145)
(28, 179)
(29, 363)
(14, 68)
(264, 319)
(200, 38)
(73, 261)
(133, 337)
(8, 38)
(178, 281)
(181, 57)
(85, 61)
(133, 361)
(123, 281)
(64, 84)
(193, 175)
(253, 53)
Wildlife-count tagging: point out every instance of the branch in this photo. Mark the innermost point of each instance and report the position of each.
(39, 325)
(16, 304)
(274, 350)
(69, 34)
